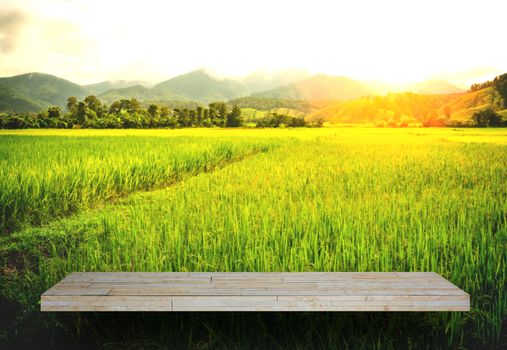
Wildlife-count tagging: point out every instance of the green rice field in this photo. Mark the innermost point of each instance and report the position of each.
(331, 199)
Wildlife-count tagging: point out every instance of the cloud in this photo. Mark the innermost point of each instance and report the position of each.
(91, 40)
(11, 25)
(64, 37)
(47, 37)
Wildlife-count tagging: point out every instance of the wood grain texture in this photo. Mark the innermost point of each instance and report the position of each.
(255, 291)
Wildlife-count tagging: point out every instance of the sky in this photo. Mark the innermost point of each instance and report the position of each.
(88, 41)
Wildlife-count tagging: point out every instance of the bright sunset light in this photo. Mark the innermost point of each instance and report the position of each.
(396, 41)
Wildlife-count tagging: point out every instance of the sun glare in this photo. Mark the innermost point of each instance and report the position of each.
(395, 41)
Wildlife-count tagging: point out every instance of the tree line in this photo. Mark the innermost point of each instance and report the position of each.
(276, 120)
(92, 113)
(487, 118)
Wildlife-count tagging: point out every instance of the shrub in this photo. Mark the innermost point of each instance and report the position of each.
(487, 118)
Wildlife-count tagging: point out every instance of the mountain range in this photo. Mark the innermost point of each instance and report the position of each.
(32, 92)
(201, 86)
(107, 85)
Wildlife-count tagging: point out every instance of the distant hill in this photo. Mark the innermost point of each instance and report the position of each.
(12, 101)
(40, 89)
(323, 91)
(429, 87)
(317, 88)
(264, 80)
(331, 98)
(434, 87)
(139, 92)
(413, 108)
(267, 104)
(104, 86)
(201, 86)
(33, 92)
(394, 107)
(464, 106)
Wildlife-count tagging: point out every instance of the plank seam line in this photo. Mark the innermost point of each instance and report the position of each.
(256, 294)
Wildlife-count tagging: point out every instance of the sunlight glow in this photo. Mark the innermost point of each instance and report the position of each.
(396, 41)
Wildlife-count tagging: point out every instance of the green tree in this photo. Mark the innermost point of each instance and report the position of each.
(199, 115)
(131, 106)
(54, 112)
(85, 116)
(93, 103)
(234, 117)
(81, 117)
(500, 85)
(487, 118)
(72, 104)
(153, 110)
(135, 106)
(219, 112)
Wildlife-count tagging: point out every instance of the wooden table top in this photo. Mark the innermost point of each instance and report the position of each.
(254, 291)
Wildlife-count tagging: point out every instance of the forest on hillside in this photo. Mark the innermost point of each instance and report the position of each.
(484, 105)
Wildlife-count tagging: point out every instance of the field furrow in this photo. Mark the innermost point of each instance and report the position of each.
(45, 178)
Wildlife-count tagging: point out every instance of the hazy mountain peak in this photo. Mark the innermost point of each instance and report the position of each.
(40, 89)
(436, 87)
(427, 87)
(104, 86)
(319, 87)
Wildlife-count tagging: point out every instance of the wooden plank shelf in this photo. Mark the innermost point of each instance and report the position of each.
(254, 291)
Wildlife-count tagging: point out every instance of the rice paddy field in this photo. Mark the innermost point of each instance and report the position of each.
(331, 199)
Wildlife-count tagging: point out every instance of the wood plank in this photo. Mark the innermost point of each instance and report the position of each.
(109, 303)
(268, 285)
(295, 284)
(257, 291)
(245, 292)
(258, 303)
(76, 291)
